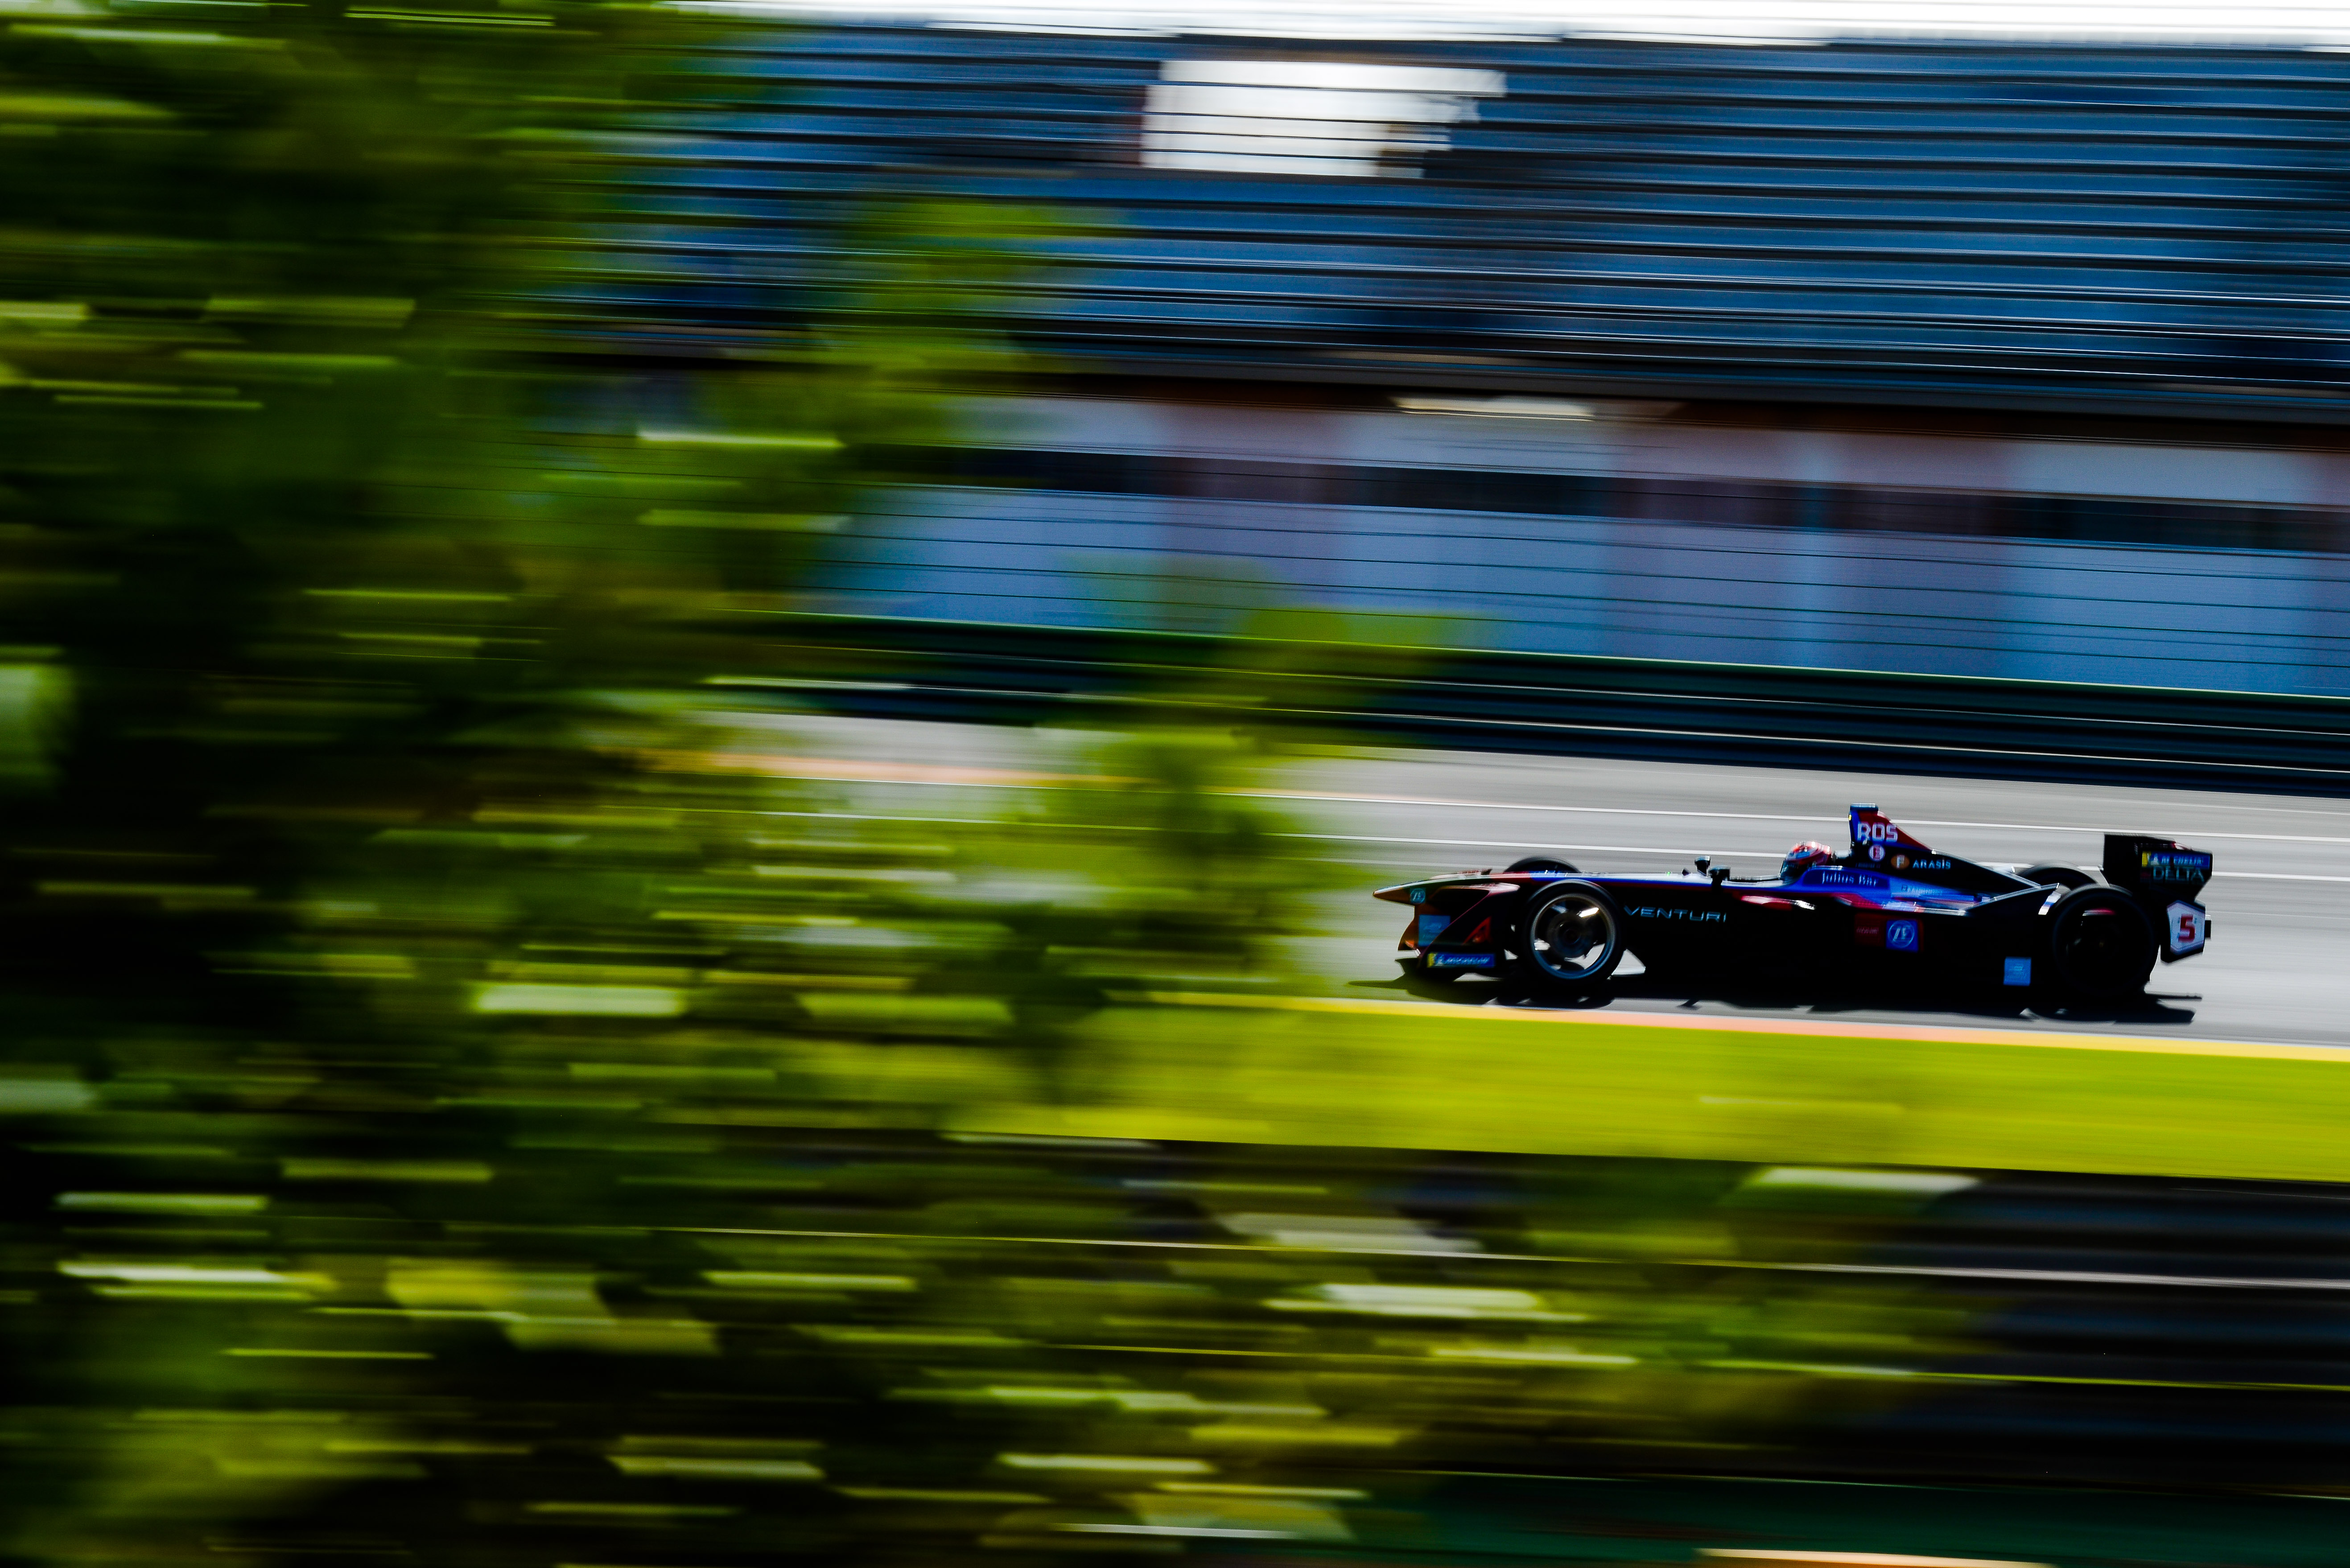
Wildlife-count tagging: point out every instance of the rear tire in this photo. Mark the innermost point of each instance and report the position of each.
(1540, 863)
(1571, 937)
(2101, 945)
(2058, 876)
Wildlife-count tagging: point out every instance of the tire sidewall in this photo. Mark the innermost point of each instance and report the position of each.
(2069, 913)
(1523, 934)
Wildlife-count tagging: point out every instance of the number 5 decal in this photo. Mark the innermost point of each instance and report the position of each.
(2187, 929)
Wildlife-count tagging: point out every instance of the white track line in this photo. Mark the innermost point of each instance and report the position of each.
(1827, 822)
(1522, 843)
(1678, 854)
(1743, 815)
(2281, 875)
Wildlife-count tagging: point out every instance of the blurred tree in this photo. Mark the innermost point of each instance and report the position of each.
(455, 1031)
(348, 465)
(365, 509)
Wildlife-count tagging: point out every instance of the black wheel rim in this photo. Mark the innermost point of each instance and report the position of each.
(2104, 950)
(1571, 937)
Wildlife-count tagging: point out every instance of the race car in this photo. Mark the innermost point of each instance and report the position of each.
(1887, 911)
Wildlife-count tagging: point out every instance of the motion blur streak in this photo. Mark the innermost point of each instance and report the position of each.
(526, 1038)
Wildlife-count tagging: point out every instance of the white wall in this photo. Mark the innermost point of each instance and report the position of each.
(2237, 619)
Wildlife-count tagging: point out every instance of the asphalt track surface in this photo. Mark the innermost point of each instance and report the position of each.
(2277, 968)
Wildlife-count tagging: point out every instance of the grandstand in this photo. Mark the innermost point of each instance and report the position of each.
(1967, 358)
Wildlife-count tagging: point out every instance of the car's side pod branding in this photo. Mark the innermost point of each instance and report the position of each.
(1874, 929)
(1658, 913)
(1838, 876)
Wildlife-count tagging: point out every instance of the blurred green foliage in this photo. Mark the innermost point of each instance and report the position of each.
(473, 1063)
(343, 501)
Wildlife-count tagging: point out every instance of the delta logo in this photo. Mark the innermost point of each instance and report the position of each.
(2174, 865)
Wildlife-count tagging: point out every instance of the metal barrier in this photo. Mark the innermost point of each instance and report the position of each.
(1684, 711)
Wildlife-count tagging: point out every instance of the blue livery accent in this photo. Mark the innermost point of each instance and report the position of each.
(1901, 936)
(1839, 877)
(1432, 927)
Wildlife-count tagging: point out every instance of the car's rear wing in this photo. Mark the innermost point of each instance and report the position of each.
(2155, 869)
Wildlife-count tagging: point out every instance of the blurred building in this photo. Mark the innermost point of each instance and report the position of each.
(1966, 358)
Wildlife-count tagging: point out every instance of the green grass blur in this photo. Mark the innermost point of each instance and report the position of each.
(1436, 1076)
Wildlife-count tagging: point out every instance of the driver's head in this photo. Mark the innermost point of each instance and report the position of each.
(1802, 857)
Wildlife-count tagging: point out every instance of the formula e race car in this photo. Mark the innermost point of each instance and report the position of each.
(1890, 911)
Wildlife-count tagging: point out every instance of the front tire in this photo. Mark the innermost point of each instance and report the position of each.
(1571, 937)
(2101, 945)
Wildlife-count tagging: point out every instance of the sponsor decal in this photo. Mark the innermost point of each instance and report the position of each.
(1876, 852)
(1901, 936)
(1696, 917)
(1868, 927)
(1432, 927)
(1907, 862)
(2186, 928)
(1461, 960)
(2173, 865)
(2015, 972)
(1837, 877)
(1419, 895)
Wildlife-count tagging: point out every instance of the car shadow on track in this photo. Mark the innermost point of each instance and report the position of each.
(1646, 993)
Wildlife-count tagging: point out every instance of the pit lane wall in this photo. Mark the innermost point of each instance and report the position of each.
(2216, 558)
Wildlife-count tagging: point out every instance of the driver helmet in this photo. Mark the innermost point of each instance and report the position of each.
(1802, 857)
